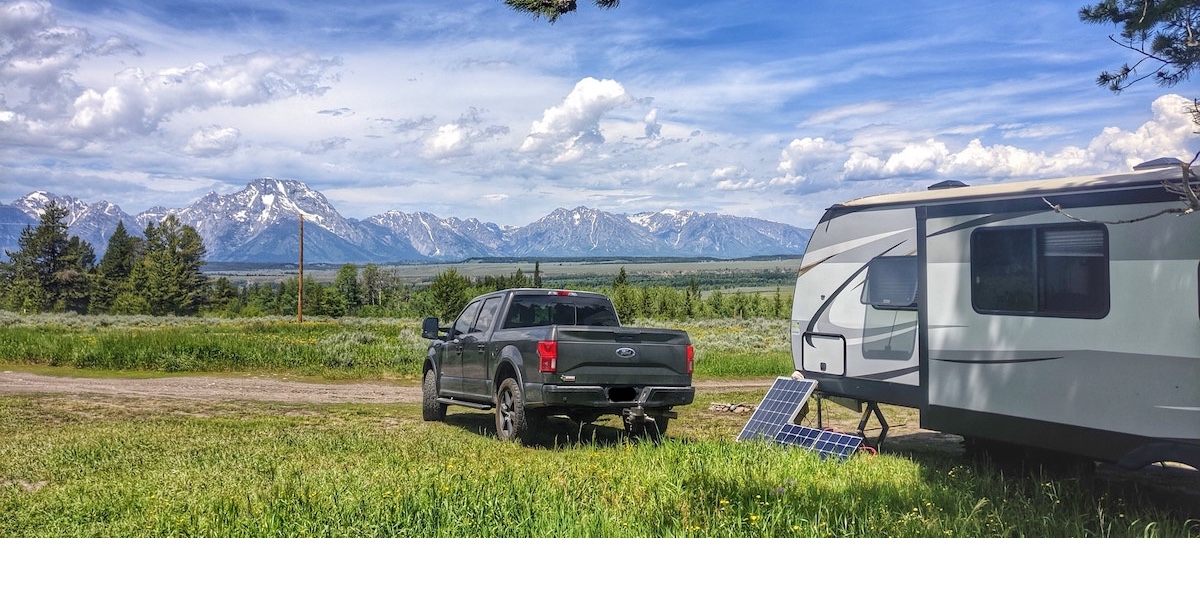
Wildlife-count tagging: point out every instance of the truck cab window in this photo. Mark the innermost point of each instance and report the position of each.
(487, 315)
(465, 320)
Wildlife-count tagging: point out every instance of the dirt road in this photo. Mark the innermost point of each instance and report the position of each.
(264, 388)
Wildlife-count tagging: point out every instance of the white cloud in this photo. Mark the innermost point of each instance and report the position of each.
(1168, 133)
(727, 172)
(565, 132)
(460, 137)
(213, 141)
(34, 50)
(912, 160)
(448, 140)
(140, 102)
(653, 127)
(804, 156)
(734, 178)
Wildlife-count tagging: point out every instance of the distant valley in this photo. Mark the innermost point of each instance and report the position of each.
(259, 224)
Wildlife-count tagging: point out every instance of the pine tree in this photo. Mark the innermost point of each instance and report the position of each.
(622, 279)
(168, 276)
(1165, 36)
(50, 270)
(551, 10)
(113, 271)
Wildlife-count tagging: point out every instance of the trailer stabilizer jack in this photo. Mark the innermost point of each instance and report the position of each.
(872, 408)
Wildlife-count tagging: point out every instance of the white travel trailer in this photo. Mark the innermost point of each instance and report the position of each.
(1060, 314)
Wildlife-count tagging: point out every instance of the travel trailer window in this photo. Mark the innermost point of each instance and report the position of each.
(1059, 270)
(891, 283)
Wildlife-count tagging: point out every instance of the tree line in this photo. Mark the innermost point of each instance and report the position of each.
(157, 274)
(160, 274)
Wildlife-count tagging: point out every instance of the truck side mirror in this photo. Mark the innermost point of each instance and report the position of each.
(429, 328)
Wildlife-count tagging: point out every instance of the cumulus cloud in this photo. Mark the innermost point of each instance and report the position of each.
(803, 156)
(212, 141)
(460, 137)
(565, 132)
(39, 58)
(734, 178)
(141, 101)
(1167, 134)
(35, 51)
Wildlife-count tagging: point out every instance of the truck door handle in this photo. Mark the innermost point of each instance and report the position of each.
(481, 347)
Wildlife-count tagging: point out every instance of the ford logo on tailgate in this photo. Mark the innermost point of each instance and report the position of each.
(626, 352)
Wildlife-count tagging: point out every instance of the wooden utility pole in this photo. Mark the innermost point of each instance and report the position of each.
(300, 295)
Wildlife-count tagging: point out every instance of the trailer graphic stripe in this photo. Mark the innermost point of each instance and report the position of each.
(996, 361)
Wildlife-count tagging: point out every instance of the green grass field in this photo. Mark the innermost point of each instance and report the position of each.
(79, 465)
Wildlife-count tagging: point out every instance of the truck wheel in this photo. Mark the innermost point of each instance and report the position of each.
(431, 409)
(513, 422)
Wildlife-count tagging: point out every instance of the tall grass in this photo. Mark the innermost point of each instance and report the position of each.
(345, 348)
(72, 467)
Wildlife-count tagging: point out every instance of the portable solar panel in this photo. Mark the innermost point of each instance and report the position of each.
(779, 407)
(825, 443)
(774, 420)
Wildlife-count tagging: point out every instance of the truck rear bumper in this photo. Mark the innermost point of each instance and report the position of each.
(615, 397)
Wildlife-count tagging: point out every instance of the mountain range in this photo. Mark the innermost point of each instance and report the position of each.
(260, 224)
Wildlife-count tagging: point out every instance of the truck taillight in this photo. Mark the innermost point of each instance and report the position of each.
(548, 356)
(691, 358)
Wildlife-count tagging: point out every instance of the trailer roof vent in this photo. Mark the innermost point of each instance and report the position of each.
(1158, 163)
(947, 185)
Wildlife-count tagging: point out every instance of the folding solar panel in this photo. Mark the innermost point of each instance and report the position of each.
(774, 420)
(779, 406)
(825, 443)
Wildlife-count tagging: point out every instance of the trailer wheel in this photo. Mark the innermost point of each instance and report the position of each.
(513, 422)
(431, 409)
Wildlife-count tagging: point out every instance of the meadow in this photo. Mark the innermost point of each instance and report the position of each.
(85, 465)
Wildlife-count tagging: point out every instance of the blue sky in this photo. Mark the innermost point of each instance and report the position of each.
(771, 109)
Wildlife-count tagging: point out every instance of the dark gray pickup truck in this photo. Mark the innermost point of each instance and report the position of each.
(533, 353)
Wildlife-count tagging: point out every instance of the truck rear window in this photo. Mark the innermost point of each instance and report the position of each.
(529, 311)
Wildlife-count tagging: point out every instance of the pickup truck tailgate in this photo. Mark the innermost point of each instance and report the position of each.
(622, 356)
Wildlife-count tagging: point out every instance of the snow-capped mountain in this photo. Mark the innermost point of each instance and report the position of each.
(719, 235)
(429, 236)
(585, 232)
(260, 224)
(92, 222)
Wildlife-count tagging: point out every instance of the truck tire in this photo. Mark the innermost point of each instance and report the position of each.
(431, 409)
(513, 422)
